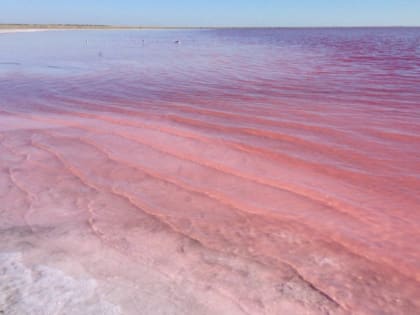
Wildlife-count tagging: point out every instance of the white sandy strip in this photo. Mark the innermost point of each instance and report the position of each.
(3, 31)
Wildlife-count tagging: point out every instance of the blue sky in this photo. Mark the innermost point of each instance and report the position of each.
(214, 12)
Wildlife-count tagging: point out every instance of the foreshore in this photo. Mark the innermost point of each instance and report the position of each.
(13, 30)
(23, 28)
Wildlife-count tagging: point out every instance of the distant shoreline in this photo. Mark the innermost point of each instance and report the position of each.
(121, 27)
(86, 27)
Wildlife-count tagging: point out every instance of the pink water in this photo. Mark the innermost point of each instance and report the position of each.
(291, 157)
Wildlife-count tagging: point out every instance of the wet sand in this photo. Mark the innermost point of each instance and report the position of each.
(126, 192)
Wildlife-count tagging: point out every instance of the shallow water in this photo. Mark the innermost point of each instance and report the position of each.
(259, 171)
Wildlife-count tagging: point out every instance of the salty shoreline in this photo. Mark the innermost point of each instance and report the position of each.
(7, 31)
(32, 30)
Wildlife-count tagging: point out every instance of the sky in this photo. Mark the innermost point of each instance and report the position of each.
(214, 12)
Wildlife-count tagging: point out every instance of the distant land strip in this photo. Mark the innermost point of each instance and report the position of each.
(89, 26)
(7, 26)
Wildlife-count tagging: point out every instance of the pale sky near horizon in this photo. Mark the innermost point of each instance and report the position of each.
(214, 13)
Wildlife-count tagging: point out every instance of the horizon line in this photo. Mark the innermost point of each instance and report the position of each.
(113, 26)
